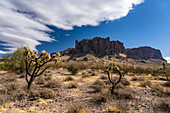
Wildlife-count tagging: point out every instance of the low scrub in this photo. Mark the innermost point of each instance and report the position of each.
(52, 84)
(45, 93)
(73, 69)
(76, 109)
(146, 84)
(69, 79)
(72, 85)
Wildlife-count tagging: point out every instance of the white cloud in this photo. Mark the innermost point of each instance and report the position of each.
(22, 22)
(168, 59)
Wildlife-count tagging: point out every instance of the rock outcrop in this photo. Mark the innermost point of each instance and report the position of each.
(144, 53)
(101, 47)
(97, 46)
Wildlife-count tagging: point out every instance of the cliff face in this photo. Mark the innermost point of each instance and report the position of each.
(97, 46)
(103, 46)
(145, 53)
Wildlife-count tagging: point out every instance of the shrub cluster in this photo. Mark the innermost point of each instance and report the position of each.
(14, 62)
(73, 69)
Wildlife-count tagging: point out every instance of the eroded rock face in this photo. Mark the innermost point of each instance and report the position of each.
(97, 46)
(145, 53)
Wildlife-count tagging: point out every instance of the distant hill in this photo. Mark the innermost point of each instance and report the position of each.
(144, 53)
(101, 47)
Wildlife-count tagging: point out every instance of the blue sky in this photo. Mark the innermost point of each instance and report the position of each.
(135, 23)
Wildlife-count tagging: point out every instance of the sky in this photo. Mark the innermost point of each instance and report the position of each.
(54, 25)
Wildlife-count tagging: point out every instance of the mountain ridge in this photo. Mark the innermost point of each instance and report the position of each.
(101, 47)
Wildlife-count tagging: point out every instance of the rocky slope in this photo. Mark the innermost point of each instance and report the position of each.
(144, 53)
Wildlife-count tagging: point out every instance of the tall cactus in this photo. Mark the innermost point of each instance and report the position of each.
(116, 68)
(34, 63)
(166, 70)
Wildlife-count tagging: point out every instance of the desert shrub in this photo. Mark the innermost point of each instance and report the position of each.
(40, 81)
(146, 84)
(98, 66)
(47, 77)
(13, 91)
(121, 94)
(8, 78)
(93, 74)
(72, 85)
(97, 86)
(137, 79)
(98, 100)
(46, 93)
(14, 62)
(52, 84)
(103, 77)
(76, 109)
(69, 79)
(125, 82)
(13, 86)
(21, 75)
(99, 83)
(163, 106)
(85, 76)
(73, 69)
(166, 84)
(19, 95)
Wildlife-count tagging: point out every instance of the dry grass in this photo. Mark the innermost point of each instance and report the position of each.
(103, 77)
(73, 85)
(137, 79)
(52, 84)
(44, 93)
(76, 109)
(40, 80)
(146, 84)
(69, 78)
(85, 76)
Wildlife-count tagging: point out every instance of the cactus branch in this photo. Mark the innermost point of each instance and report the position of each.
(110, 76)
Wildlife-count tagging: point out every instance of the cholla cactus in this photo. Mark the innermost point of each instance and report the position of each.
(114, 68)
(166, 70)
(34, 63)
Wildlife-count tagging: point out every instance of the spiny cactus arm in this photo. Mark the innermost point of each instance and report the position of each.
(44, 63)
(35, 68)
(27, 68)
(43, 71)
(110, 78)
(119, 75)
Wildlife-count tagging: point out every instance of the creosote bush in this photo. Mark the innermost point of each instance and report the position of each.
(73, 69)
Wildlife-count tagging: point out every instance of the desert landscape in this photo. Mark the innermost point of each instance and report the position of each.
(80, 84)
(84, 56)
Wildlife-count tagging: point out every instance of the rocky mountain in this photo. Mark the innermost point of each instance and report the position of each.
(144, 53)
(97, 46)
(103, 46)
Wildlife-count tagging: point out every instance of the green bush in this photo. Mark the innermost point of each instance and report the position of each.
(73, 69)
(14, 62)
